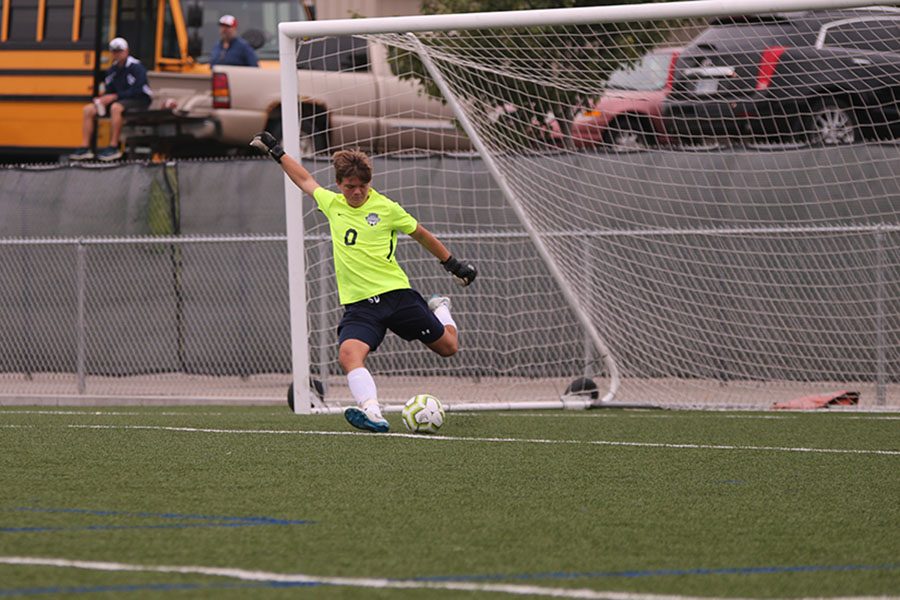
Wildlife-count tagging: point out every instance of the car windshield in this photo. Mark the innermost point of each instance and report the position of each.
(257, 22)
(650, 73)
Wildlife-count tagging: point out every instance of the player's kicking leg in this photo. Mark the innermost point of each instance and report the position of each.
(447, 344)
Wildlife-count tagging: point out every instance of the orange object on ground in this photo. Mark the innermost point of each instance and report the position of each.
(842, 398)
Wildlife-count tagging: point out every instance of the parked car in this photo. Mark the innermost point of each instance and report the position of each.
(819, 78)
(627, 115)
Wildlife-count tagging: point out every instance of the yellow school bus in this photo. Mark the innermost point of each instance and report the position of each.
(53, 55)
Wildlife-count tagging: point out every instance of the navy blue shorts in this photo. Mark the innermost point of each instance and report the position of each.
(134, 104)
(404, 312)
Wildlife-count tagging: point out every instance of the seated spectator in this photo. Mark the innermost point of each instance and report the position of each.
(126, 90)
(232, 49)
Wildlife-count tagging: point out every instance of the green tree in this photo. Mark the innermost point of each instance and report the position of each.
(597, 49)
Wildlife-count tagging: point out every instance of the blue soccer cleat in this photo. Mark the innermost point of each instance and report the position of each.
(359, 419)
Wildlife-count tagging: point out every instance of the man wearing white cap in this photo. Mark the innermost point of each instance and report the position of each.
(232, 49)
(126, 89)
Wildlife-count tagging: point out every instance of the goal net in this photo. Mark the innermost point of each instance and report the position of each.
(686, 207)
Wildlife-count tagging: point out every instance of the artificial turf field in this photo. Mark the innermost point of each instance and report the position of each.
(245, 502)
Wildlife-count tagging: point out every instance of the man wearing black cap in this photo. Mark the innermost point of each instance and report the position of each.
(232, 49)
(126, 89)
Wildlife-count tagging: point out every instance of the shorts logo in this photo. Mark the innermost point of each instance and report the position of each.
(374, 299)
(373, 219)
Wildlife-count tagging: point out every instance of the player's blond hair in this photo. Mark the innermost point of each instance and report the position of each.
(352, 163)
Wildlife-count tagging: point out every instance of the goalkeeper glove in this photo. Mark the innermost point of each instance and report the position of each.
(463, 272)
(267, 143)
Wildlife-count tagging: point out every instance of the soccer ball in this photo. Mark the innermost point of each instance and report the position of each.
(423, 414)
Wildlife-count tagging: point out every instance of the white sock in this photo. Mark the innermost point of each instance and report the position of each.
(443, 315)
(362, 386)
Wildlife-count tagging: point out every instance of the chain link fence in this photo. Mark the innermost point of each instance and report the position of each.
(199, 317)
(207, 318)
(193, 304)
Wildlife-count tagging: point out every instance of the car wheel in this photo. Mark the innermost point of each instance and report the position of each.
(832, 124)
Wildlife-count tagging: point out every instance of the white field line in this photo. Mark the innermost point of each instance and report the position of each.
(456, 415)
(450, 438)
(632, 415)
(882, 418)
(533, 415)
(675, 415)
(106, 412)
(362, 582)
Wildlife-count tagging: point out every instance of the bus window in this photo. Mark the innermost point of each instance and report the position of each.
(23, 18)
(136, 22)
(58, 20)
(88, 26)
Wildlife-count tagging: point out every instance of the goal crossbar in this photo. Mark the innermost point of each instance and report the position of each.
(559, 16)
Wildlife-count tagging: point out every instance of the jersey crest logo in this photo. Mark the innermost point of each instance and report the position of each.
(373, 219)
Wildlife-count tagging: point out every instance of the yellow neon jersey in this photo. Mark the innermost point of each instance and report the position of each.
(364, 243)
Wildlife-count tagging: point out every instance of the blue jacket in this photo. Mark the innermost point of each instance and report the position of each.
(239, 53)
(128, 80)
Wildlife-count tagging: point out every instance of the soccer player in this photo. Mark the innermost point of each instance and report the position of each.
(372, 287)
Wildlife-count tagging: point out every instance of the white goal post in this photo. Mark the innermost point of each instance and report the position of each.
(652, 264)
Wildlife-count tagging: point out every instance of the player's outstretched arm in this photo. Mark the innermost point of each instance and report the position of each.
(266, 142)
(464, 272)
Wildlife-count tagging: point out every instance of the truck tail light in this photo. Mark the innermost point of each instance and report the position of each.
(767, 64)
(220, 91)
